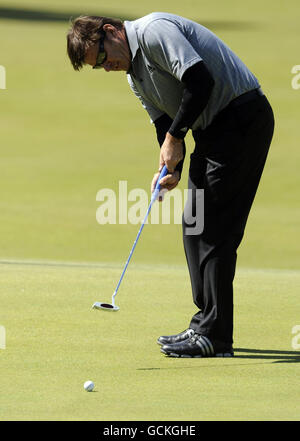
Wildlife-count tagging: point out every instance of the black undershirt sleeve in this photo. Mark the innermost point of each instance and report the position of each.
(198, 84)
(198, 87)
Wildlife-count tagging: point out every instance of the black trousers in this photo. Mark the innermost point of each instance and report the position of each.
(227, 164)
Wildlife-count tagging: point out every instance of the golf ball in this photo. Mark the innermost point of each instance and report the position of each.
(89, 386)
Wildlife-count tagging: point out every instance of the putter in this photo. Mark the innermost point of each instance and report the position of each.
(112, 306)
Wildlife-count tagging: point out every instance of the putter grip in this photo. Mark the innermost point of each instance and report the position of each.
(163, 173)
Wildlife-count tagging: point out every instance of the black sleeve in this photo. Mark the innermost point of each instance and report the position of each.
(162, 125)
(198, 87)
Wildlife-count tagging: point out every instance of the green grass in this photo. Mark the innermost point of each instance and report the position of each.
(55, 342)
(66, 135)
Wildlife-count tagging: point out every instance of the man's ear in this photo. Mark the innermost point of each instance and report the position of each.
(108, 28)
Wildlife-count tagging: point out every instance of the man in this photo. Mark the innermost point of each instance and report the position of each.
(187, 78)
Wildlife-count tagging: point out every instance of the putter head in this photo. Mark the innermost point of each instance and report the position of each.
(105, 306)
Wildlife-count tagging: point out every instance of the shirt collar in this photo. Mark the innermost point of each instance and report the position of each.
(132, 38)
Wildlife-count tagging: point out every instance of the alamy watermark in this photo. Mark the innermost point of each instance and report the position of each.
(2, 337)
(296, 79)
(296, 338)
(2, 77)
(131, 207)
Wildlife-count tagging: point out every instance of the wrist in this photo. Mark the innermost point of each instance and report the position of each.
(177, 131)
(174, 139)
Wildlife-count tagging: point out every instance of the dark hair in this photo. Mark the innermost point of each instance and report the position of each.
(85, 31)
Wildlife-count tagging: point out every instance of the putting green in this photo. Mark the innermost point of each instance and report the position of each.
(55, 342)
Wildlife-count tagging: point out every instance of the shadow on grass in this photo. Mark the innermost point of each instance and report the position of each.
(10, 13)
(268, 354)
(273, 356)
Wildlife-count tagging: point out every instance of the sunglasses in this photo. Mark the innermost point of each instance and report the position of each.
(101, 57)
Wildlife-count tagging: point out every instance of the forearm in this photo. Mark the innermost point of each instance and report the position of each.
(162, 126)
(198, 88)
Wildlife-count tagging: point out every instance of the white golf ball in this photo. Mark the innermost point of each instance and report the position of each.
(89, 386)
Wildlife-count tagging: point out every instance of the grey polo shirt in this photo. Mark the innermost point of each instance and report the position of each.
(163, 47)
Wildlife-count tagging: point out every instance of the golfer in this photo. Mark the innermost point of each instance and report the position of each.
(188, 79)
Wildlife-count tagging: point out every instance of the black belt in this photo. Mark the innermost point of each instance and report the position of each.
(246, 97)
